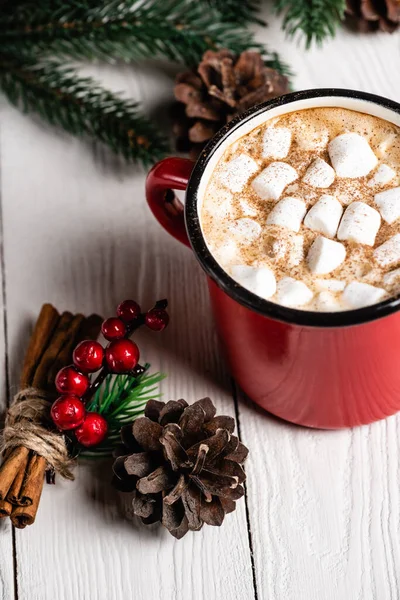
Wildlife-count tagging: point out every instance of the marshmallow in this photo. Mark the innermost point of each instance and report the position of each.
(386, 144)
(351, 155)
(357, 295)
(292, 293)
(327, 302)
(324, 216)
(330, 285)
(271, 182)
(392, 278)
(226, 253)
(319, 174)
(276, 248)
(289, 213)
(259, 280)
(312, 137)
(388, 254)
(388, 203)
(222, 205)
(247, 207)
(246, 230)
(360, 224)
(276, 142)
(325, 255)
(348, 197)
(296, 251)
(382, 176)
(235, 174)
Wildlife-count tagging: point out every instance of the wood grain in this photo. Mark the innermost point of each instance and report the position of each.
(323, 506)
(96, 246)
(6, 539)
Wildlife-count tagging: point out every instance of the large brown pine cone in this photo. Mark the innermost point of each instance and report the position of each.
(374, 15)
(183, 465)
(222, 86)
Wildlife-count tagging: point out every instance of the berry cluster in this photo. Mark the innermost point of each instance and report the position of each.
(120, 356)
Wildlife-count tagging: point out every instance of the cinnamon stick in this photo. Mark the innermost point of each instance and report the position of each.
(22, 516)
(10, 468)
(50, 348)
(81, 328)
(5, 509)
(54, 346)
(15, 495)
(64, 357)
(90, 328)
(43, 330)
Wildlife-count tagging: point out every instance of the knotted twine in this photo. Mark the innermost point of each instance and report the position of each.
(28, 423)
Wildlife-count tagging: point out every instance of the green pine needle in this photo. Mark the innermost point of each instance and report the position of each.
(316, 19)
(239, 11)
(60, 96)
(37, 37)
(179, 30)
(121, 399)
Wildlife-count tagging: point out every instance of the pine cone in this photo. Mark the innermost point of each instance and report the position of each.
(183, 465)
(223, 86)
(373, 15)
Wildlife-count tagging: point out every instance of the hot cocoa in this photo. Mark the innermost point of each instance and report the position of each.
(305, 210)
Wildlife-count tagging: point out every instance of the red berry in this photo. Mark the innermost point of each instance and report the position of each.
(68, 412)
(122, 356)
(88, 356)
(113, 329)
(70, 381)
(92, 431)
(128, 310)
(157, 319)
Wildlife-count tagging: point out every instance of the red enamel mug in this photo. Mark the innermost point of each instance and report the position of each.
(325, 370)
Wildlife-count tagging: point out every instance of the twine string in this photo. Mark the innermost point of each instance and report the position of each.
(28, 423)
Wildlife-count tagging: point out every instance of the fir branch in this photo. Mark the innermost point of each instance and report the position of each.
(180, 30)
(238, 11)
(60, 96)
(121, 399)
(316, 19)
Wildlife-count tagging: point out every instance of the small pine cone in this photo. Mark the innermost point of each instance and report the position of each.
(183, 465)
(224, 85)
(373, 15)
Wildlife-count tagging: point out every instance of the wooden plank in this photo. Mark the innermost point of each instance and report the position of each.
(324, 507)
(6, 537)
(78, 234)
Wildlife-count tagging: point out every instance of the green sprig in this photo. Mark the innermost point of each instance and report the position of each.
(239, 11)
(316, 19)
(120, 400)
(59, 95)
(179, 30)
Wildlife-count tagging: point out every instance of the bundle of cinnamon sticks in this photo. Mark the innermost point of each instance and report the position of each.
(53, 339)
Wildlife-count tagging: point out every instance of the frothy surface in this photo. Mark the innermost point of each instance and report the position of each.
(292, 159)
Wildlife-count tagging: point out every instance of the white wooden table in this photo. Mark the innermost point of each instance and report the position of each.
(321, 519)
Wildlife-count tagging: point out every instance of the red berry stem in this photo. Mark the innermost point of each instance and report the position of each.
(138, 370)
(141, 319)
(130, 329)
(96, 383)
(161, 304)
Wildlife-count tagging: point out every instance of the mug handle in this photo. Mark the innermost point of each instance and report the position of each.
(168, 175)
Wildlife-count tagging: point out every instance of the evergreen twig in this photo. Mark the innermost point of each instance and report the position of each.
(239, 11)
(179, 30)
(59, 95)
(316, 19)
(121, 399)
